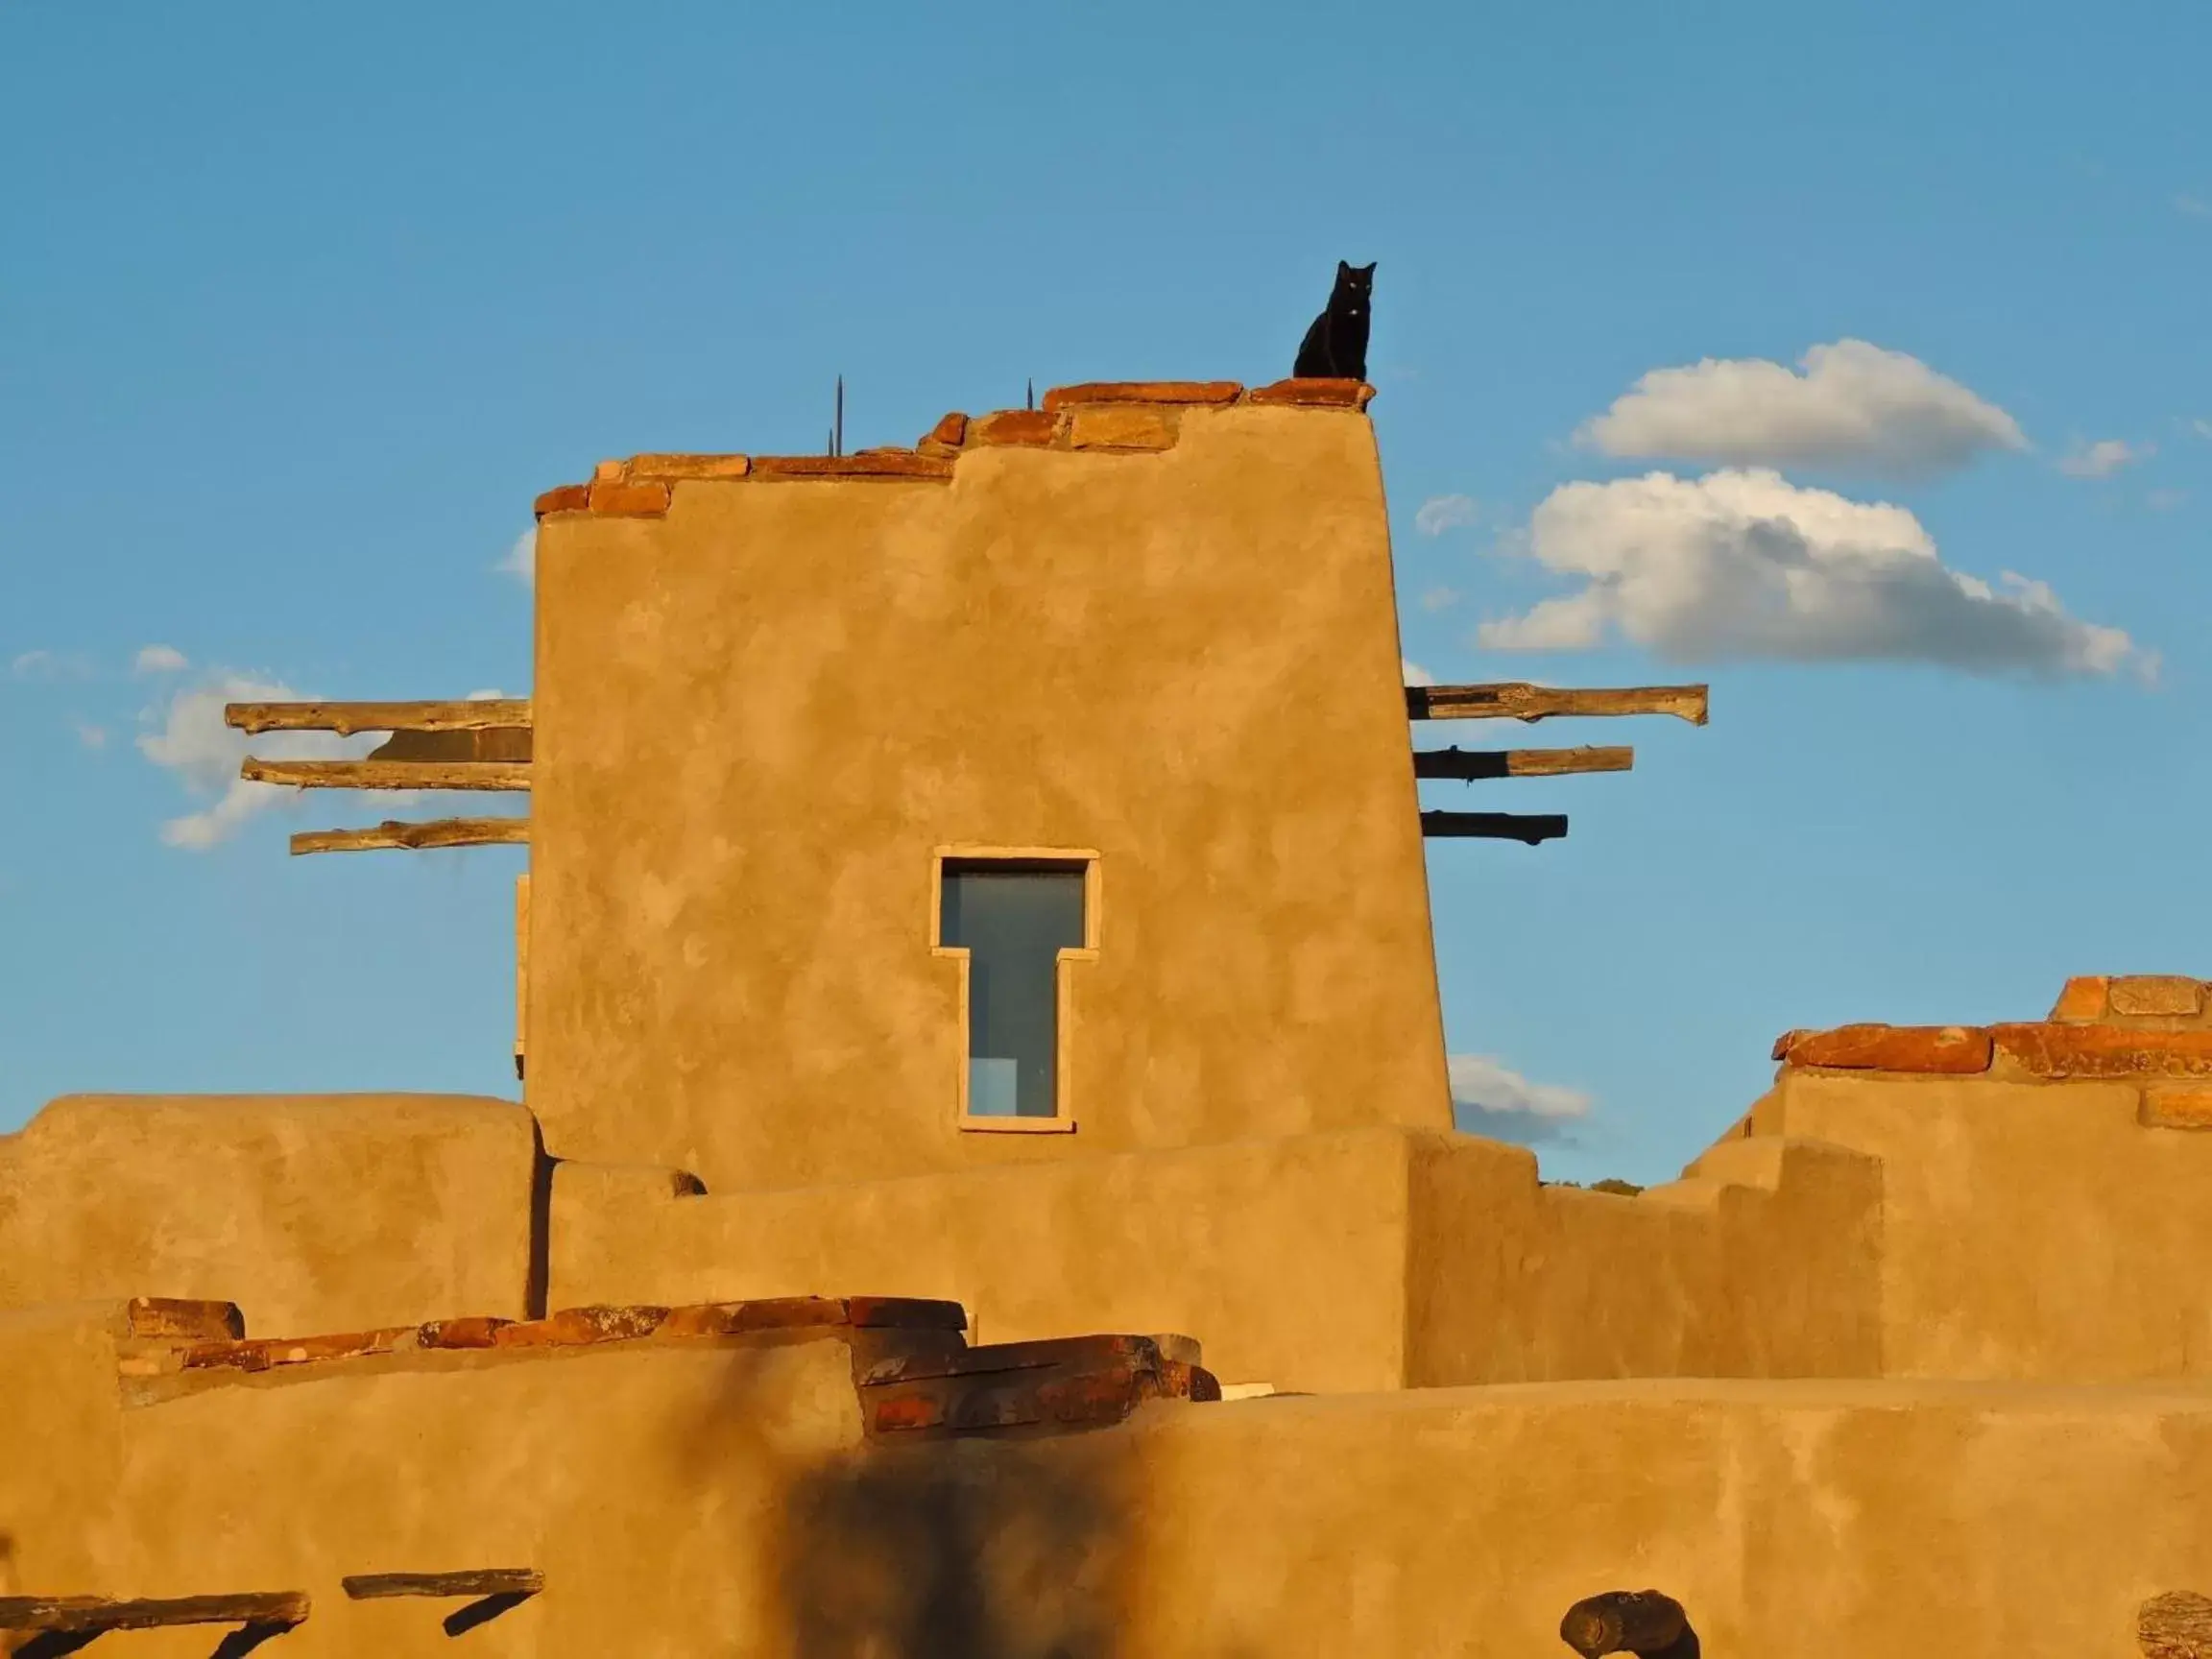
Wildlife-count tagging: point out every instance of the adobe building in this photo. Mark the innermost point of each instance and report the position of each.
(984, 1182)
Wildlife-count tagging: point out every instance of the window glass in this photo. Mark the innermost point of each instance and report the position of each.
(1013, 922)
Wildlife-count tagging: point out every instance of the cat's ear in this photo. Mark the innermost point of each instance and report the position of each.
(1343, 268)
(1367, 269)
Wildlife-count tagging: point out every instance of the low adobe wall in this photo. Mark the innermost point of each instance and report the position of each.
(2047, 1184)
(1366, 1260)
(310, 1212)
(725, 1498)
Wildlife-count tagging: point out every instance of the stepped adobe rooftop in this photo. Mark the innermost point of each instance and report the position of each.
(983, 1179)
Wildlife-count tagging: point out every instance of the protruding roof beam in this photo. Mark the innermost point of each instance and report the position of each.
(1477, 763)
(464, 716)
(94, 1614)
(416, 837)
(500, 775)
(1517, 700)
(1528, 826)
(485, 1581)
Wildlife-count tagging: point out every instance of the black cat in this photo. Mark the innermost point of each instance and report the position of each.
(1335, 347)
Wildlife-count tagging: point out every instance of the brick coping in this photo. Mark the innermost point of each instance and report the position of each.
(1108, 416)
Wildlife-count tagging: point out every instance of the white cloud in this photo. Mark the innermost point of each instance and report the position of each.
(2192, 206)
(492, 695)
(2165, 500)
(2104, 458)
(205, 754)
(50, 665)
(1441, 513)
(521, 560)
(1490, 1098)
(1744, 565)
(2201, 428)
(1415, 674)
(1439, 598)
(1856, 405)
(90, 735)
(159, 660)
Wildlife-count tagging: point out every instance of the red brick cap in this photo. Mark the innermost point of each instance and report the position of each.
(2053, 1050)
(1035, 426)
(1940, 1048)
(182, 1318)
(2176, 1106)
(1316, 394)
(952, 431)
(471, 1330)
(689, 466)
(2169, 995)
(644, 499)
(576, 1326)
(881, 465)
(2086, 997)
(564, 498)
(1142, 391)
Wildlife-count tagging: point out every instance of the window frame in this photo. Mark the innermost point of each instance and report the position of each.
(1066, 962)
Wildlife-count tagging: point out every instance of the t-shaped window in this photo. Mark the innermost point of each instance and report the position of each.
(1013, 918)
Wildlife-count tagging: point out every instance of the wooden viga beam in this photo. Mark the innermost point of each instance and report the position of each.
(483, 1581)
(1525, 827)
(479, 715)
(1477, 764)
(95, 1615)
(392, 835)
(494, 775)
(1517, 700)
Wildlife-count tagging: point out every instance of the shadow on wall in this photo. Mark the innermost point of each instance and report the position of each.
(972, 1550)
(975, 1548)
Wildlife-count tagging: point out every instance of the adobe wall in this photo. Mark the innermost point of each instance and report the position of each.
(1163, 630)
(1367, 1259)
(642, 1483)
(2032, 1229)
(2047, 1185)
(309, 1211)
(723, 1500)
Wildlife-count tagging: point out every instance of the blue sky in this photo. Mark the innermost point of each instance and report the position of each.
(299, 308)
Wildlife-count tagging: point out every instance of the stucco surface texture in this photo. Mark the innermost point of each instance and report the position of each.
(2029, 1230)
(311, 1213)
(645, 1486)
(758, 718)
(1362, 1260)
(721, 1501)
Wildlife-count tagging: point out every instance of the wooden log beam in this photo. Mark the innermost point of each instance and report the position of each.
(484, 1582)
(1639, 1621)
(2175, 1625)
(1475, 763)
(1528, 826)
(503, 775)
(93, 1615)
(416, 837)
(1517, 700)
(464, 715)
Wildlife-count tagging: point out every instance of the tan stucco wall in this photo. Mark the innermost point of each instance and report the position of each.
(2031, 1228)
(311, 1213)
(1364, 1259)
(1285, 1257)
(646, 1487)
(1762, 1264)
(1811, 1520)
(758, 716)
(719, 1500)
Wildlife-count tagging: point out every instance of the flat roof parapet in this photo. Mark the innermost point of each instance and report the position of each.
(1108, 416)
